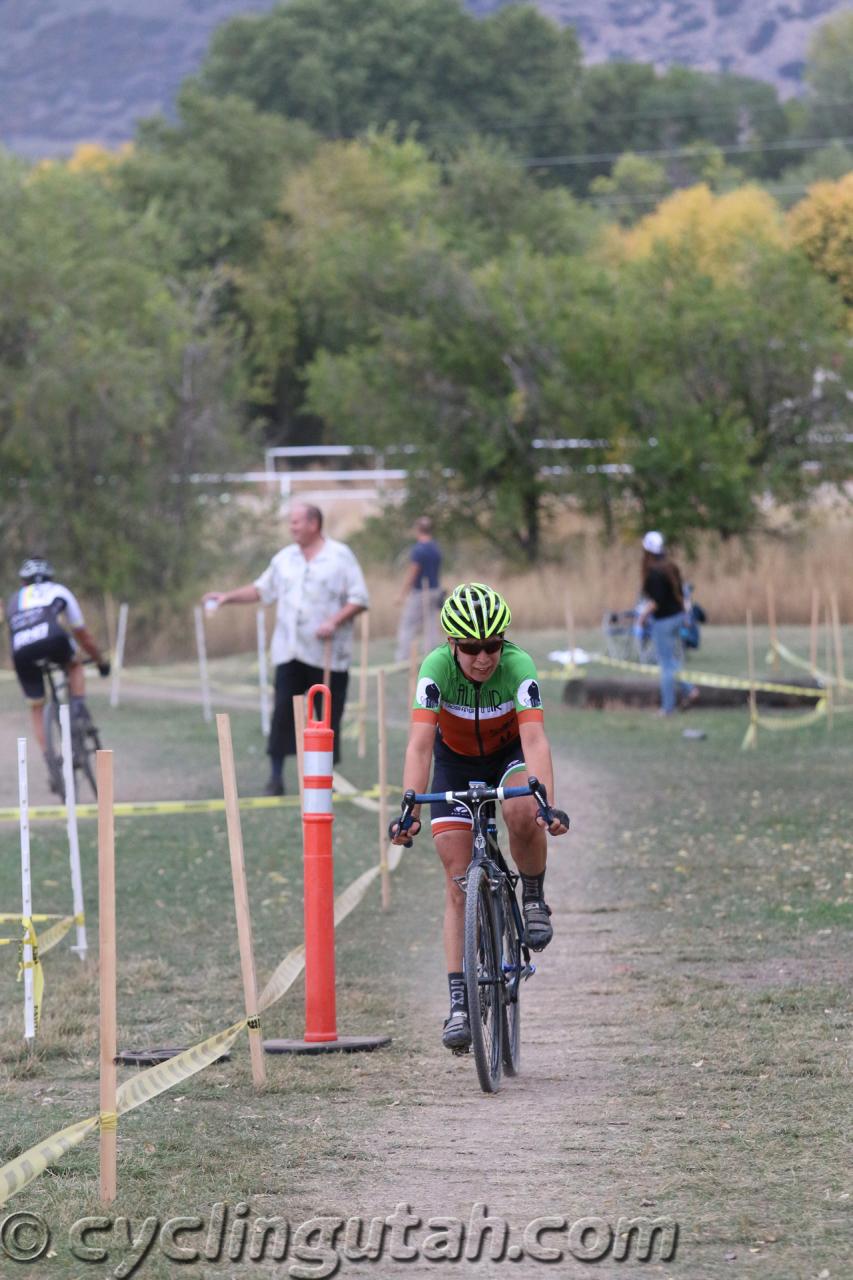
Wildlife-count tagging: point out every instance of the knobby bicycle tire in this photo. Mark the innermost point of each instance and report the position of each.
(483, 979)
(511, 962)
(86, 741)
(53, 749)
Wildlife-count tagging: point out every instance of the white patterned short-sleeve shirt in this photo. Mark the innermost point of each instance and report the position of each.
(307, 593)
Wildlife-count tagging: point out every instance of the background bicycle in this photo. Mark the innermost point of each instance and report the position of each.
(85, 736)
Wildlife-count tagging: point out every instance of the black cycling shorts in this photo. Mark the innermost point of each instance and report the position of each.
(57, 649)
(454, 772)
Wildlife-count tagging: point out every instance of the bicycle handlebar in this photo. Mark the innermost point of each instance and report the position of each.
(478, 795)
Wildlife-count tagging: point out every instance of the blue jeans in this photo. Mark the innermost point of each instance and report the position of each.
(664, 639)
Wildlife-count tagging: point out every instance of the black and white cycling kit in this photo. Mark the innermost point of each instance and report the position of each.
(39, 617)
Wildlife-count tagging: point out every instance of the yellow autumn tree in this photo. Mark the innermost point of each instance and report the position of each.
(822, 226)
(91, 157)
(717, 232)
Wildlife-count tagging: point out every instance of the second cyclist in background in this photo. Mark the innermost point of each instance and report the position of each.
(46, 625)
(478, 714)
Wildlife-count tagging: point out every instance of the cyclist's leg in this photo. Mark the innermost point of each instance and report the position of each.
(529, 848)
(31, 680)
(454, 849)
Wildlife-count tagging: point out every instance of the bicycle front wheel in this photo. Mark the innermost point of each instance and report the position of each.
(511, 963)
(483, 979)
(53, 749)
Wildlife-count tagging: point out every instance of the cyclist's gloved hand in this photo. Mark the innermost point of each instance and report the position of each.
(555, 821)
(404, 837)
(104, 667)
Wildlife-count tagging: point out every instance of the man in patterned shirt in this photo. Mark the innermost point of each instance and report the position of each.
(318, 588)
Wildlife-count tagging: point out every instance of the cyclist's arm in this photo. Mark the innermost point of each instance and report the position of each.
(418, 759)
(240, 595)
(87, 641)
(537, 758)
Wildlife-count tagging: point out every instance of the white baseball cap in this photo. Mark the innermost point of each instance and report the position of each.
(653, 542)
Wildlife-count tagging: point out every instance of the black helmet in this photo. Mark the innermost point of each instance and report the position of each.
(36, 570)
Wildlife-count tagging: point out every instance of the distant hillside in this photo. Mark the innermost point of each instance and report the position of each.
(87, 70)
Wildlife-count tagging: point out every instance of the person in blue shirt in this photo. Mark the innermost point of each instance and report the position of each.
(420, 595)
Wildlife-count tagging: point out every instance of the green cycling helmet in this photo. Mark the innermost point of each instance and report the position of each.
(474, 611)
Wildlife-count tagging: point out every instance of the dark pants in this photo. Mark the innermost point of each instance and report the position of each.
(292, 678)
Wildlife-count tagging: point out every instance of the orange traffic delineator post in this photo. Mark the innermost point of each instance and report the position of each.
(321, 1034)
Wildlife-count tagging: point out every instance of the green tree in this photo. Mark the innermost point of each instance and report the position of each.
(829, 76)
(214, 178)
(719, 406)
(480, 373)
(345, 66)
(116, 385)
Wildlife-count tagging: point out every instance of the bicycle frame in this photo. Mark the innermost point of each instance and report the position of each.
(480, 801)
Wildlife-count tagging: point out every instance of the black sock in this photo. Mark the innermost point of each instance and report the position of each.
(458, 994)
(533, 888)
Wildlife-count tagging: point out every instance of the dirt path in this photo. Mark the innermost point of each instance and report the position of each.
(560, 1140)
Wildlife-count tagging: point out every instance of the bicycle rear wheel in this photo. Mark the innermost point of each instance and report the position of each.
(53, 749)
(483, 979)
(511, 963)
(86, 741)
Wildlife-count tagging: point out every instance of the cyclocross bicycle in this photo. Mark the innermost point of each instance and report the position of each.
(495, 958)
(85, 737)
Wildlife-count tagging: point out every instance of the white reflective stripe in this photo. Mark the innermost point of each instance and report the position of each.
(317, 764)
(317, 800)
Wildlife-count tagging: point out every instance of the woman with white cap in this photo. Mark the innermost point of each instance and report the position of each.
(663, 593)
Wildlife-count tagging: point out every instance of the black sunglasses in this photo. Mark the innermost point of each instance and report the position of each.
(480, 646)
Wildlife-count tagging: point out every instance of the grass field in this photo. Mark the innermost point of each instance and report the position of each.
(718, 884)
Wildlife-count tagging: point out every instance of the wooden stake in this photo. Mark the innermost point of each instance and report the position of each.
(107, 963)
(299, 731)
(383, 789)
(362, 686)
(241, 896)
(118, 654)
(813, 628)
(426, 594)
(570, 629)
(837, 636)
(202, 664)
(828, 667)
(771, 622)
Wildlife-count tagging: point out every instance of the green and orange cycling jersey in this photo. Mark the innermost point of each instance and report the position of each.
(477, 719)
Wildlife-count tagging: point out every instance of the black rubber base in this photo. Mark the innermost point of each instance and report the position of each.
(343, 1044)
(150, 1057)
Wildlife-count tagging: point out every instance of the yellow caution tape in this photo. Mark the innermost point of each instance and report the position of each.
(709, 679)
(16, 915)
(108, 1121)
(145, 808)
(776, 725)
(30, 940)
(57, 932)
(155, 1080)
(24, 1169)
(796, 661)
